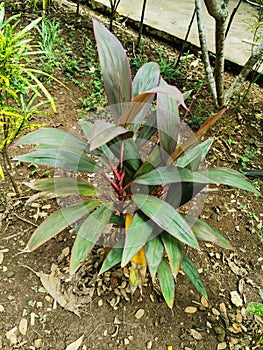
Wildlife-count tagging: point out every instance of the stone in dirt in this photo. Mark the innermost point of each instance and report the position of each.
(236, 299)
(139, 314)
(23, 326)
(221, 346)
(190, 309)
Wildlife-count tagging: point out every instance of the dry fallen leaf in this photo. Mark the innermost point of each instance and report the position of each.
(52, 284)
(76, 344)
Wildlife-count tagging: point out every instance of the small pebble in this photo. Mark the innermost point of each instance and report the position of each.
(23, 326)
(126, 341)
(196, 335)
(38, 343)
(149, 344)
(100, 302)
(204, 302)
(1, 308)
(215, 312)
(236, 299)
(190, 309)
(221, 346)
(139, 314)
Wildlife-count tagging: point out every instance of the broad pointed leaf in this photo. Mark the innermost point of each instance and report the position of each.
(113, 257)
(53, 137)
(168, 122)
(205, 232)
(62, 159)
(146, 78)
(104, 132)
(166, 282)
(140, 100)
(191, 272)
(58, 221)
(166, 175)
(197, 153)
(229, 177)
(154, 253)
(166, 217)
(89, 233)
(137, 235)
(115, 68)
(192, 141)
(174, 250)
(66, 186)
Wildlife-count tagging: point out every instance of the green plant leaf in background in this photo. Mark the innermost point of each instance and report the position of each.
(66, 186)
(88, 234)
(166, 282)
(166, 217)
(173, 248)
(58, 221)
(191, 272)
(133, 241)
(154, 253)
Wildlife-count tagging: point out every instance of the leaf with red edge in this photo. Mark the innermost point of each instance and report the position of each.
(168, 122)
(140, 100)
(104, 132)
(193, 140)
(115, 69)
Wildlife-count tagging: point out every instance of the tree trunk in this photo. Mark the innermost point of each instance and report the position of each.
(204, 49)
(253, 59)
(220, 16)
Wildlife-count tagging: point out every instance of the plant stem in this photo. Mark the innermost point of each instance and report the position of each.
(7, 165)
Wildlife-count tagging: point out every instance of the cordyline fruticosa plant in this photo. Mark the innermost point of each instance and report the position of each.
(147, 188)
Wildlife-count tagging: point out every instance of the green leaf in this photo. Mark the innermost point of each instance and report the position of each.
(166, 175)
(86, 127)
(89, 233)
(115, 69)
(154, 253)
(104, 132)
(58, 221)
(166, 217)
(61, 158)
(166, 282)
(26, 29)
(191, 272)
(113, 257)
(53, 137)
(255, 308)
(192, 141)
(205, 232)
(137, 235)
(146, 78)
(168, 122)
(170, 174)
(174, 252)
(194, 155)
(66, 186)
(228, 177)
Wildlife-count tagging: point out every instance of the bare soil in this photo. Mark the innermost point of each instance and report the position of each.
(101, 309)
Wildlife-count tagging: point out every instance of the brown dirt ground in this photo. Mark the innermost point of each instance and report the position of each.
(106, 315)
